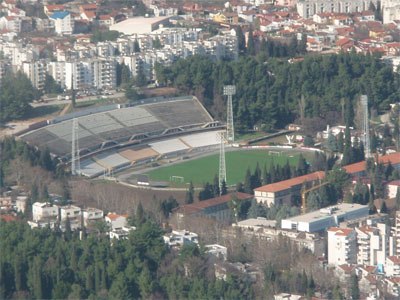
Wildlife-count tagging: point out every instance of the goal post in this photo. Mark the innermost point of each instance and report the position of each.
(178, 179)
(277, 153)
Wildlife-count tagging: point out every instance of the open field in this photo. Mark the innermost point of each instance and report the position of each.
(205, 168)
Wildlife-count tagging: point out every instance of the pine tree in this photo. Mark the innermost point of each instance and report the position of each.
(224, 189)
(247, 186)
(190, 194)
(136, 47)
(340, 142)
(215, 188)
(250, 43)
(354, 288)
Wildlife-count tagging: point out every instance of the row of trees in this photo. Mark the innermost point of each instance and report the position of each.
(274, 93)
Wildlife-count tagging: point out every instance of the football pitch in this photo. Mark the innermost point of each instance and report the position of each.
(205, 168)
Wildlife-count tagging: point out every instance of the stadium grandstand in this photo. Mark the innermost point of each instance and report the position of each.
(115, 137)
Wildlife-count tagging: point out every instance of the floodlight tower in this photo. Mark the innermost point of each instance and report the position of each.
(222, 165)
(75, 158)
(365, 126)
(229, 90)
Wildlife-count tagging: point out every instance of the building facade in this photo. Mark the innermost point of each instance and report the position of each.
(308, 8)
(342, 246)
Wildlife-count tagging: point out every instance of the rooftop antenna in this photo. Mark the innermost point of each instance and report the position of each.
(229, 90)
(75, 158)
(365, 126)
(222, 165)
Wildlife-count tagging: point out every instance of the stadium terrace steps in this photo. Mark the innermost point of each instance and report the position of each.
(116, 126)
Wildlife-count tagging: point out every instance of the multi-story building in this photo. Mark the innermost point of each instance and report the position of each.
(390, 10)
(11, 23)
(104, 73)
(92, 215)
(397, 232)
(392, 267)
(374, 244)
(71, 214)
(283, 192)
(44, 211)
(342, 246)
(63, 23)
(308, 8)
(36, 72)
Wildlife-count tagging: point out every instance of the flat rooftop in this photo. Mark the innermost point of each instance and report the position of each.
(137, 25)
(260, 222)
(328, 212)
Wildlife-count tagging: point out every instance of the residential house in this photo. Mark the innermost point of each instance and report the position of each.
(92, 215)
(116, 221)
(178, 238)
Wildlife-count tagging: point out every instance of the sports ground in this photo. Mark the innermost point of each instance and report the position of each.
(205, 168)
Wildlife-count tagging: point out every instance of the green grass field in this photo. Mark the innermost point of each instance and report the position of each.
(205, 168)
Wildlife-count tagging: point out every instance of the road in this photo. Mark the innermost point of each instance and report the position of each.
(55, 101)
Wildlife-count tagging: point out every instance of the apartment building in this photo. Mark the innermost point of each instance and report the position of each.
(63, 23)
(390, 10)
(342, 246)
(36, 72)
(392, 267)
(374, 244)
(11, 23)
(85, 74)
(308, 8)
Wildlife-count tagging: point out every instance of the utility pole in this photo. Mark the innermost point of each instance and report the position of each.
(229, 90)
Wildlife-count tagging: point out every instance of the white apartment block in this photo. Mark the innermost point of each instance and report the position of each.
(63, 23)
(36, 72)
(392, 267)
(70, 212)
(85, 74)
(104, 73)
(397, 232)
(11, 23)
(390, 10)
(43, 211)
(374, 244)
(342, 246)
(308, 8)
(91, 215)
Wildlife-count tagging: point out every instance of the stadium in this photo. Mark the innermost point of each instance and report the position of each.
(112, 138)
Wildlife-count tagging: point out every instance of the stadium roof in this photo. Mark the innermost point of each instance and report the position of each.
(59, 15)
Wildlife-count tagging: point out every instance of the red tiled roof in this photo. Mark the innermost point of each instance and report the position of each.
(394, 259)
(113, 216)
(394, 182)
(347, 268)
(341, 231)
(198, 206)
(8, 218)
(286, 184)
